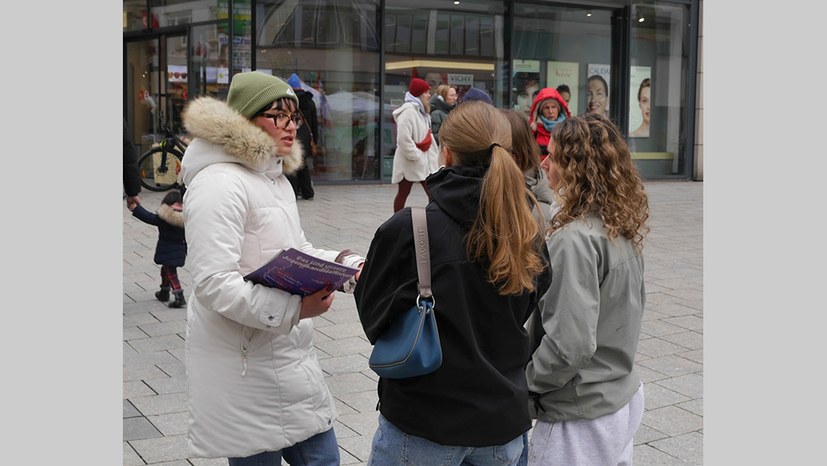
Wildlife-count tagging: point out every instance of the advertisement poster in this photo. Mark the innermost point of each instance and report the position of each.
(568, 73)
(598, 83)
(640, 93)
(526, 83)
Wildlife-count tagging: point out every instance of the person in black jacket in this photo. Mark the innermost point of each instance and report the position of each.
(488, 268)
(307, 132)
(131, 173)
(171, 249)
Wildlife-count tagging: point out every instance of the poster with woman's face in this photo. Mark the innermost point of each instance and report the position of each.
(597, 88)
(640, 103)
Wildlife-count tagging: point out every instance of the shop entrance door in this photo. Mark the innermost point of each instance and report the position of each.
(155, 86)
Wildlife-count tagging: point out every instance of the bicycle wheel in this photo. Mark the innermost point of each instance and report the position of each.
(156, 176)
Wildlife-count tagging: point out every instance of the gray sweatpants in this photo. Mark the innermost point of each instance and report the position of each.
(607, 440)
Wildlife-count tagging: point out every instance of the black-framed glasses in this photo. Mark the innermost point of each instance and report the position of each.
(282, 120)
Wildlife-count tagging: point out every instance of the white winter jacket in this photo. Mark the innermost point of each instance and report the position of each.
(254, 380)
(412, 125)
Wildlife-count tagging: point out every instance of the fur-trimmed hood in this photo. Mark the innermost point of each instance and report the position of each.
(215, 125)
(171, 216)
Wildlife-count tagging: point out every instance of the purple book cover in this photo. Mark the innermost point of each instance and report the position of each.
(298, 273)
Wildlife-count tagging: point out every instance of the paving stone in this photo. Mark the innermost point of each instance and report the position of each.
(689, 447)
(136, 388)
(161, 404)
(208, 461)
(691, 385)
(350, 383)
(659, 328)
(672, 365)
(655, 347)
(132, 373)
(357, 447)
(133, 333)
(345, 346)
(672, 420)
(135, 428)
(165, 385)
(648, 375)
(340, 331)
(693, 406)
(363, 423)
(688, 322)
(161, 449)
(362, 402)
(344, 364)
(142, 318)
(170, 424)
(691, 340)
(694, 355)
(644, 455)
(161, 343)
(646, 434)
(164, 328)
(129, 410)
(656, 396)
(130, 456)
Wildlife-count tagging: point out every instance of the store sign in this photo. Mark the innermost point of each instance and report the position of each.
(460, 79)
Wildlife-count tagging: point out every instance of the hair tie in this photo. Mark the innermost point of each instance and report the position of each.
(491, 148)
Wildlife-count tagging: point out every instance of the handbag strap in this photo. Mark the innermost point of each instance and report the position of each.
(423, 250)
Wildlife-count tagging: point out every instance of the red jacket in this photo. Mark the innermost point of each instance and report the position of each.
(537, 128)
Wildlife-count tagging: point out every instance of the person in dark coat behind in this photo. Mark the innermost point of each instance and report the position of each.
(131, 172)
(171, 249)
(307, 132)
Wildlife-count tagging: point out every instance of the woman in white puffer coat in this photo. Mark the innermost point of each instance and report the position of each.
(256, 390)
(417, 153)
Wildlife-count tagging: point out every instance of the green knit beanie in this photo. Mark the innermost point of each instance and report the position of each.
(251, 91)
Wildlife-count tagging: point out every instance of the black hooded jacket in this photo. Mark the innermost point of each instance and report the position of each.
(479, 396)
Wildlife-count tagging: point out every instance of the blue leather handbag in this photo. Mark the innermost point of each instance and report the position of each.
(410, 346)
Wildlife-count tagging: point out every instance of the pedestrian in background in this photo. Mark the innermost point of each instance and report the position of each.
(586, 392)
(131, 171)
(476, 93)
(442, 103)
(417, 154)
(171, 248)
(526, 154)
(307, 134)
(488, 271)
(256, 391)
(565, 92)
(548, 109)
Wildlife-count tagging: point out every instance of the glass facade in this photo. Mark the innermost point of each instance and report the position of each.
(633, 61)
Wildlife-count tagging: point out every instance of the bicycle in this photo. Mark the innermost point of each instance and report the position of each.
(160, 165)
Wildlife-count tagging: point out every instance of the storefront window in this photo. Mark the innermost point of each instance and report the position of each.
(333, 47)
(458, 44)
(180, 12)
(555, 45)
(657, 89)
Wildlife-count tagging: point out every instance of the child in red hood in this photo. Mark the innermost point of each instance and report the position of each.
(548, 109)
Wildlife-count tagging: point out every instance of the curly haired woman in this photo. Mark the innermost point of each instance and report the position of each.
(586, 394)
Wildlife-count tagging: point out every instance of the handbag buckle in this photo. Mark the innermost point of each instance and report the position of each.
(423, 303)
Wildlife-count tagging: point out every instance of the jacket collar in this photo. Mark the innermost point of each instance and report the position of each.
(217, 123)
(171, 216)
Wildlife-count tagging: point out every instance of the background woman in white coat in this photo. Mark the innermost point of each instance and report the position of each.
(256, 392)
(417, 153)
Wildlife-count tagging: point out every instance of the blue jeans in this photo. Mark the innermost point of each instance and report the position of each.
(391, 447)
(319, 450)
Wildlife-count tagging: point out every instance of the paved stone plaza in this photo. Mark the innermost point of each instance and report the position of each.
(670, 354)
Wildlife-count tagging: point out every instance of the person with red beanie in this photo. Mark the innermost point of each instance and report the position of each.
(417, 153)
(548, 109)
